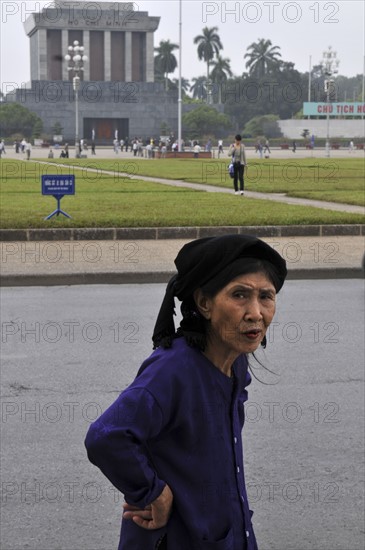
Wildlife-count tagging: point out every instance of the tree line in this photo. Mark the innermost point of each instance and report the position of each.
(269, 88)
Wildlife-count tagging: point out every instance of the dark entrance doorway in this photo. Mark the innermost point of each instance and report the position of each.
(105, 130)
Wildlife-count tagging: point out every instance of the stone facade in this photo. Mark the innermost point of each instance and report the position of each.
(117, 92)
(135, 109)
(62, 22)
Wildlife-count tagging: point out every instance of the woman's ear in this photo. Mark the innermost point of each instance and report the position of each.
(202, 303)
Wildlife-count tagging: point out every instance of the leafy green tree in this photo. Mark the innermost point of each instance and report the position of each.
(165, 61)
(205, 120)
(220, 73)
(279, 92)
(265, 125)
(57, 129)
(209, 44)
(14, 118)
(37, 129)
(262, 57)
(164, 129)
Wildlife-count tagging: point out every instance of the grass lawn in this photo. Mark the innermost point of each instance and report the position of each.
(114, 201)
(338, 180)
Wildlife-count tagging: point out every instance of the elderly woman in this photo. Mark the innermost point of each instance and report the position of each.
(171, 443)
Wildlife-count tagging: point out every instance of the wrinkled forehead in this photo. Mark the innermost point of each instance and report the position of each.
(255, 279)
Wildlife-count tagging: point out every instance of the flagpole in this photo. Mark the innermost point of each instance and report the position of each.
(180, 98)
(309, 81)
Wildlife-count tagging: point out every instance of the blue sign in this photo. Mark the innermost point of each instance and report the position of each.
(58, 185)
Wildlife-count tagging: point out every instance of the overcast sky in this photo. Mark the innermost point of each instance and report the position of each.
(301, 29)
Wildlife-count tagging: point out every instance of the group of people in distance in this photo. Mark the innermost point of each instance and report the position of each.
(24, 146)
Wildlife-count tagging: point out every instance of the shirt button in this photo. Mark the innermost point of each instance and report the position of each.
(242, 498)
(235, 440)
(238, 469)
(247, 534)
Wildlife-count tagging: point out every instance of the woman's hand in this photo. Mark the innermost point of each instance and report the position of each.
(154, 516)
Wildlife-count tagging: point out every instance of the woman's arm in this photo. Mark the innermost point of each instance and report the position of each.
(116, 443)
(244, 155)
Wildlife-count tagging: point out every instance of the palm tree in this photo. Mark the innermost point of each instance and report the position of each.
(220, 73)
(165, 61)
(198, 88)
(185, 85)
(209, 45)
(262, 58)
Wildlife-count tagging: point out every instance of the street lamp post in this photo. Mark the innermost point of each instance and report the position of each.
(330, 65)
(76, 59)
(179, 117)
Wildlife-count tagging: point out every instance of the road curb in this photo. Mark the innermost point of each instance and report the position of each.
(160, 233)
(150, 277)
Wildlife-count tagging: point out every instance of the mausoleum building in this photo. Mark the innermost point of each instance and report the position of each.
(117, 95)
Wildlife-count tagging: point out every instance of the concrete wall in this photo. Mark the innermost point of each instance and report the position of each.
(292, 129)
(145, 104)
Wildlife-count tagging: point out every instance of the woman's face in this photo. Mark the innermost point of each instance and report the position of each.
(239, 314)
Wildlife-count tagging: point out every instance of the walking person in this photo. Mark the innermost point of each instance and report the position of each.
(238, 154)
(171, 442)
(220, 147)
(267, 147)
(28, 149)
(259, 148)
(196, 149)
(135, 147)
(294, 146)
(93, 148)
(2, 148)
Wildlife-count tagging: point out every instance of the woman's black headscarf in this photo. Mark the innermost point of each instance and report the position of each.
(211, 263)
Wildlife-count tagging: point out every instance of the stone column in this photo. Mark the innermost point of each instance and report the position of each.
(150, 67)
(42, 49)
(128, 56)
(107, 56)
(86, 44)
(65, 46)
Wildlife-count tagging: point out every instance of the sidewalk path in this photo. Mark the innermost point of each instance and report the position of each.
(276, 197)
(41, 263)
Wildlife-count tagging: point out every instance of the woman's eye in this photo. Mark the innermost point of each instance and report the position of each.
(239, 294)
(267, 296)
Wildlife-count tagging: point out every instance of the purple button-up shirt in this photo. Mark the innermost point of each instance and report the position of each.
(179, 423)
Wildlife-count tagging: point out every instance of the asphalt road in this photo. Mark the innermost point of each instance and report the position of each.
(68, 351)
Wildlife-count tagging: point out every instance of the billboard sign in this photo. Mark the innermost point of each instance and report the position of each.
(334, 109)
